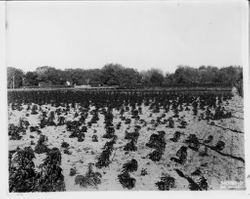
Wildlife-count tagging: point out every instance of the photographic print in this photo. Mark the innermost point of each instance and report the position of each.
(138, 95)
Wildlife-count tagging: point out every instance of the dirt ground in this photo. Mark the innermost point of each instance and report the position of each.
(216, 167)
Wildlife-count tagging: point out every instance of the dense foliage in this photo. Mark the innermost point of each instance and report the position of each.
(118, 75)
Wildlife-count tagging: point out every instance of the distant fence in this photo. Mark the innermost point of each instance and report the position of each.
(44, 87)
(134, 91)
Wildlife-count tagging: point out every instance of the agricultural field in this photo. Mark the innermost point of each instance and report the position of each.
(66, 140)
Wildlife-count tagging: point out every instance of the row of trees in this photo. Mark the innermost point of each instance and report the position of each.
(117, 75)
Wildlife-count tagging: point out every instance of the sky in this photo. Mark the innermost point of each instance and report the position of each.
(137, 34)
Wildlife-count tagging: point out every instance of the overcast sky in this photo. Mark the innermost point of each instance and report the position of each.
(138, 34)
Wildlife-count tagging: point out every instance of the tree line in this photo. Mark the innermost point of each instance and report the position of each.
(123, 77)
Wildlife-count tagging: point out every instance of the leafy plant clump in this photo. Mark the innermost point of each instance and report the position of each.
(22, 174)
(130, 166)
(51, 177)
(41, 147)
(166, 183)
(15, 132)
(91, 178)
(126, 181)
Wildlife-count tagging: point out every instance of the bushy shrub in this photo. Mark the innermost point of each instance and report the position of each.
(166, 183)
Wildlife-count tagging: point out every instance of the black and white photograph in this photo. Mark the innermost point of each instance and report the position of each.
(125, 95)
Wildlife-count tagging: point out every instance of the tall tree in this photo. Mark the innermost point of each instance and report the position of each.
(129, 78)
(110, 74)
(50, 75)
(15, 77)
(31, 79)
(186, 75)
(152, 78)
